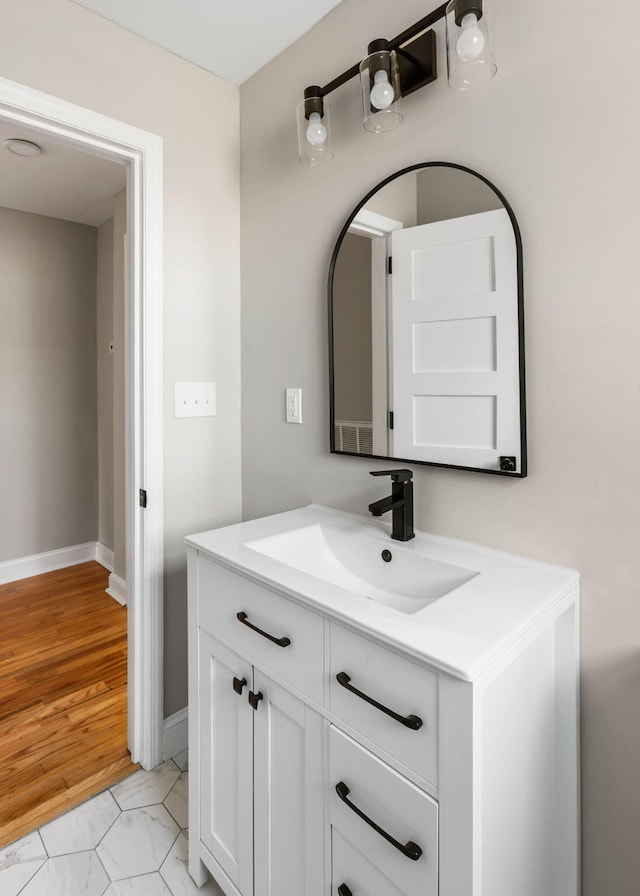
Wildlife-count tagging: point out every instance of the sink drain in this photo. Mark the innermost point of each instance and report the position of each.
(387, 556)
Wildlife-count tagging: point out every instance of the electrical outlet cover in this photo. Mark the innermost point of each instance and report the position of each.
(294, 405)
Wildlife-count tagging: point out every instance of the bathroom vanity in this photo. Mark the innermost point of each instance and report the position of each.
(369, 718)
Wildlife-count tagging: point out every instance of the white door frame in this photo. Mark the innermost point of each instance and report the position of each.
(378, 228)
(142, 152)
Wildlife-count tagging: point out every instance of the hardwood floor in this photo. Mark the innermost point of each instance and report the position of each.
(63, 695)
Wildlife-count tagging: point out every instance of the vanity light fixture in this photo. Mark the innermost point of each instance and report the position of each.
(314, 128)
(381, 90)
(395, 68)
(469, 55)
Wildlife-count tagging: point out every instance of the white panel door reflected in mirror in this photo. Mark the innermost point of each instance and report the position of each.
(426, 325)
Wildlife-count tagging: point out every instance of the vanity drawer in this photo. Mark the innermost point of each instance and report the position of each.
(223, 594)
(353, 873)
(403, 814)
(395, 684)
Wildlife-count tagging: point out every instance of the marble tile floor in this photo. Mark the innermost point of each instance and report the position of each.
(130, 840)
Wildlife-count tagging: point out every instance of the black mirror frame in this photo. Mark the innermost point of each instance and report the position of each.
(521, 356)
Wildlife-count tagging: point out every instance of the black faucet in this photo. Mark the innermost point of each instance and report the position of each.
(400, 501)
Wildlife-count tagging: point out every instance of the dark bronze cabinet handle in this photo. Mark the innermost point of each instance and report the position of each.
(409, 849)
(281, 642)
(239, 684)
(254, 699)
(343, 890)
(413, 722)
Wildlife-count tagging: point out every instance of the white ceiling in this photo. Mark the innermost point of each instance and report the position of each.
(230, 39)
(61, 183)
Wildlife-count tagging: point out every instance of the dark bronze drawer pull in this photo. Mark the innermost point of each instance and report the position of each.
(409, 849)
(281, 642)
(239, 684)
(413, 722)
(343, 890)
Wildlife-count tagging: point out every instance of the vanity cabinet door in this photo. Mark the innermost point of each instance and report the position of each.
(226, 760)
(289, 815)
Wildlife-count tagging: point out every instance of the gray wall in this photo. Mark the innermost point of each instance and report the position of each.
(104, 337)
(352, 329)
(48, 453)
(559, 141)
(445, 193)
(67, 51)
(397, 200)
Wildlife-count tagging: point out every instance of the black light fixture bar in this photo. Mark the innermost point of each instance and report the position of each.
(420, 44)
(420, 26)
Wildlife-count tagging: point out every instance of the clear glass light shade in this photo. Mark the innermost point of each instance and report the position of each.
(315, 146)
(470, 59)
(380, 82)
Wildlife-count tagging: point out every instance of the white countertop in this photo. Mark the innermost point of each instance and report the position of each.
(461, 633)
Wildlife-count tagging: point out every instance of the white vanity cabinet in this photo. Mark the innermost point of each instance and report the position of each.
(259, 773)
(328, 757)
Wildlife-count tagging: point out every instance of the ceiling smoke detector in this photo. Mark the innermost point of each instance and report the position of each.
(23, 148)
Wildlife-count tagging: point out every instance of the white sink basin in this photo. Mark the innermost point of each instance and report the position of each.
(330, 561)
(407, 582)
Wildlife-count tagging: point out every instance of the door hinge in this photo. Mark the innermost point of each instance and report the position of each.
(143, 497)
(390, 419)
(390, 265)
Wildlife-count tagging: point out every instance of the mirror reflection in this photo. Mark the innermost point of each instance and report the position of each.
(426, 325)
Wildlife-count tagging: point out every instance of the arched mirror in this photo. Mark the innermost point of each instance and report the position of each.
(426, 328)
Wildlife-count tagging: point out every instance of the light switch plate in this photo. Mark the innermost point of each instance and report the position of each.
(194, 400)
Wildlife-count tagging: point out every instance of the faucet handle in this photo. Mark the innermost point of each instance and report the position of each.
(396, 475)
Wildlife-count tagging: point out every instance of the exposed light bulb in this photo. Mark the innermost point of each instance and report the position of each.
(382, 93)
(316, 132)
(471, 42)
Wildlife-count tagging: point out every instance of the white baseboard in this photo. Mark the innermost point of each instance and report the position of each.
(117, 589)
(35, 564)
(104, 556)
(175, 738)
(49, 561)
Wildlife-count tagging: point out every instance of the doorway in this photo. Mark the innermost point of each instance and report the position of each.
(141, 153)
